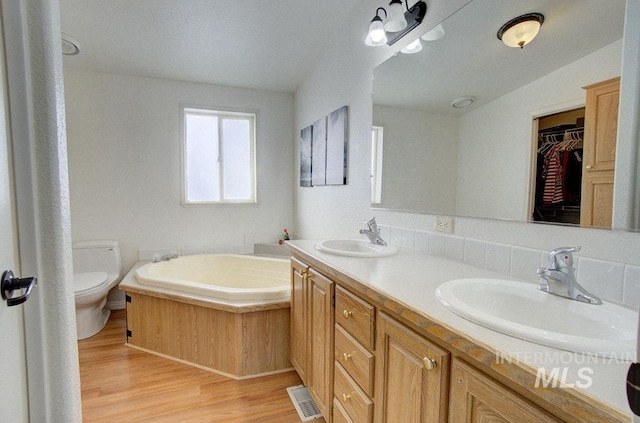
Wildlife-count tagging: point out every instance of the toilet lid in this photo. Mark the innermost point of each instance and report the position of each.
(88, 280)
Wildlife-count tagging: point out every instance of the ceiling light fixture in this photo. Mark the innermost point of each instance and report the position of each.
(519, 31)
(398, 23)
(461, 102)
(70, 47)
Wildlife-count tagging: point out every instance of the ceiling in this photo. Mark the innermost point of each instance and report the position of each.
(241, 43)
(470, 60)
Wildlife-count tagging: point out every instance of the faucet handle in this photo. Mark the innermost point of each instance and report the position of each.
(372, 224)
(562, 257)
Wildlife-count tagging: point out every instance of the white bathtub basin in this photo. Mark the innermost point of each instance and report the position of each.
(520, 310)
(355, 248)
(222, 276)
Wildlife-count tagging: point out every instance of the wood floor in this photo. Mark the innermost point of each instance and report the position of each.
(122, 384)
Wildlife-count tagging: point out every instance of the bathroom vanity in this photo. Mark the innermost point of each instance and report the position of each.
(371, 342)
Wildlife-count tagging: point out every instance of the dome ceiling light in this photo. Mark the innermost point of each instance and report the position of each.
(519, 31)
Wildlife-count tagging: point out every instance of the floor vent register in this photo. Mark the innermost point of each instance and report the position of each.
(302, 401)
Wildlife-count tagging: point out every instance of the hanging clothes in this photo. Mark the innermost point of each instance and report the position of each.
(561, 154)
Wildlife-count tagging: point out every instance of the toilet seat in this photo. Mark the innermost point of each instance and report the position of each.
(89, 280)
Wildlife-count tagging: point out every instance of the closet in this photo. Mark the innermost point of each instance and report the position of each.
(575, 160)
(560, 146)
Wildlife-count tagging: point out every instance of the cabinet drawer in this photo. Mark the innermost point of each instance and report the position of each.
(354, 401)
(356, 316)
(339, 413)
(355, 359)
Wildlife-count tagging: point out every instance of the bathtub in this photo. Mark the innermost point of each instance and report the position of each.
(231, 277)
(225, 313)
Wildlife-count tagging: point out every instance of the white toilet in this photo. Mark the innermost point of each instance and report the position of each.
(96, 269)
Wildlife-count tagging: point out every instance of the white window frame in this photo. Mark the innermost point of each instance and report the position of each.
(221, 114)
(377, 148)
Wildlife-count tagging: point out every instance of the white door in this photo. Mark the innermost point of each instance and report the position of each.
(13, 379)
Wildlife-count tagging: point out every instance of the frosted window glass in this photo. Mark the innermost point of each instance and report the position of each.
(219, 156)
(203, 182)
(237, 153)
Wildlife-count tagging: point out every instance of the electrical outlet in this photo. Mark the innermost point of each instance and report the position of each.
(444, 224)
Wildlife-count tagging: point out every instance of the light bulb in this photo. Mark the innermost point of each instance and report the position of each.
(376, 35)
(395, 21)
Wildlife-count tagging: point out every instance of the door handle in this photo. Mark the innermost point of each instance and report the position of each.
(10, 283)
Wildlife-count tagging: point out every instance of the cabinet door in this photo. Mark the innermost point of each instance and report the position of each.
(476, 397)
(412, 376)
(320, 368)
(600, 136)
(299, 329)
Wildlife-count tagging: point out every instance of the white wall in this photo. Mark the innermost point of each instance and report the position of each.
(419, 148)
(124, 165)
(344, 76)
(495, 143)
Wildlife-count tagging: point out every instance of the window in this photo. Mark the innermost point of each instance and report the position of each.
(377, 139)
(219, 163)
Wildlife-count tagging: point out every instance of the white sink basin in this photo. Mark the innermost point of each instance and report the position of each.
(355, 248)
(520, 310)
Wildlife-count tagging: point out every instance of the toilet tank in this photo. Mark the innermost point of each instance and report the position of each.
(97, 256)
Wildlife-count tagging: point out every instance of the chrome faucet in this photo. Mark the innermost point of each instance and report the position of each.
(373, 233)
(560, 277)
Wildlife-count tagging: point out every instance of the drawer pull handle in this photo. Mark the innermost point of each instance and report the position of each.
(429, 364)
(346, 357)
(347, 314)
(346, 397)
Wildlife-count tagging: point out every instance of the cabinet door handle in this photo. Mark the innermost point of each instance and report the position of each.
(346, 397)
(301, 273)
(589, 166)
(347, 313)
(346, 357)
(429, 364)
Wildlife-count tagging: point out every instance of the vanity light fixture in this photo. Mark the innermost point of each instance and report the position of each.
(396, 20)
(519, 31)
(70, 47)
(376, 35)
(461, 102)
(413, 47)
(434, 34)
(393, 28)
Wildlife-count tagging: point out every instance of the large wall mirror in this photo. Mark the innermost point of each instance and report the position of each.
(481, 160)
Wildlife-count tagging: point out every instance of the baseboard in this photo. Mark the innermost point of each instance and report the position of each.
(116, 305)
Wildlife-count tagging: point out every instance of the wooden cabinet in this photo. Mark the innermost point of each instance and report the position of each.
(354, 357)
(600, 136)
(412, 375)
(299, 271)
(369, 358)
(476, 397)
(312, 297)
(320, 365)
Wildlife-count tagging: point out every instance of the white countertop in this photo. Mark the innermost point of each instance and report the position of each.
(412, 279)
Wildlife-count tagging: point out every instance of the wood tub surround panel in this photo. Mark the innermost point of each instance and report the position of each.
(238, 345)
(571, 405)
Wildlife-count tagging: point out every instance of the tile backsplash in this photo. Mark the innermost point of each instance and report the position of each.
(618, 282)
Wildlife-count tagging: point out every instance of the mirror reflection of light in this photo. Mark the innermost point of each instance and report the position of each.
(412, 48)
(434, 34)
